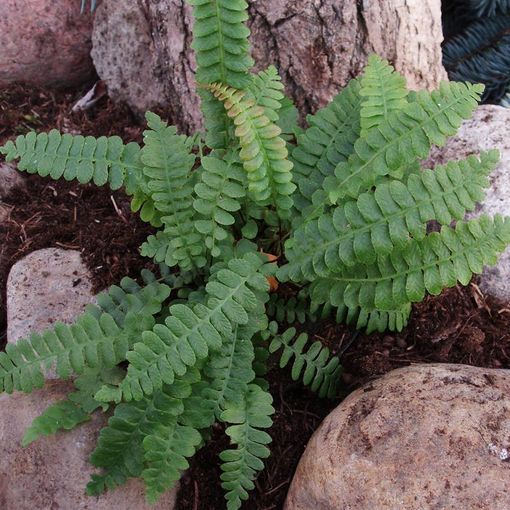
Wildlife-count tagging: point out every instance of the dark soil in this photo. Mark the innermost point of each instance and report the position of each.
(460, 326)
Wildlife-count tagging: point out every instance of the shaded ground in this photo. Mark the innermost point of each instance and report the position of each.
(460, 326)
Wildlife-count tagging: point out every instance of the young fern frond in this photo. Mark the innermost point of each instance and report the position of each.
(87, 159)
(328, 141)
(382, 91)
(266, 90)
(380, 221)
(220, 41)
(263, 151)
(241, 465)
(438, 261)
(219, 194)
(168, 161)
(405, 136)
(76, 409)
(318, 370)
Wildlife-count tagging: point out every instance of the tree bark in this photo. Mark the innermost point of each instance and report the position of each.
(143, 51)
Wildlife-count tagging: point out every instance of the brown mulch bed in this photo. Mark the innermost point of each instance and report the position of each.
(460, 326)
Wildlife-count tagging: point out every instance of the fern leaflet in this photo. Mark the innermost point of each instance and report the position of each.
(240, 465)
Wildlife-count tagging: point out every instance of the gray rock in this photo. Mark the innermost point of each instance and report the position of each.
(9, 179)
(52, 473)
(44, 287)
(488, 129)
(421, 437)
(45, 42)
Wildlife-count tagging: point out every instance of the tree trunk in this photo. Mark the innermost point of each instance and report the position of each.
(143, 51)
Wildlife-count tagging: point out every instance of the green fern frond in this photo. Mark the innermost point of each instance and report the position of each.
(218, 195)
(382, 91)
(438, 261)
(379, 221)
(296, 308)
(266, 90)
(120, 451)
(288, 117)
(89, 342)
(166, 451)
(96, 339)
(263, 151)
(229, 371)
(375, 320)
(314, 366)
(241, 465)
(220, 41)
(328, 141)
(191, 331)
(407, 135)
(167, 164)
(76, 409)
(129, 297)
(86, 159)
(222, 52)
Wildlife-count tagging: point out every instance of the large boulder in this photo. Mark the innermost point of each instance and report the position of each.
(44, 287)
(52, 472)
(486, 130)
(142, 50)
(45, 42)
(426, 436)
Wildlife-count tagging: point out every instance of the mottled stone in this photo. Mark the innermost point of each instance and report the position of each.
(488, 129)
(52, 473)
(44, 287)
(421, 437)
(9, 179)
(45, 42)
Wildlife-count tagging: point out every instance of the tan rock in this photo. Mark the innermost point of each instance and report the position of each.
(52, 473)
(45, 42)
(44, 287)
(422, 437)
(486, 130)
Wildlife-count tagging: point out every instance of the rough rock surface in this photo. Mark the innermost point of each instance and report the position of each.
(425, 436)
(44, 287)
(52, 472)
(488, 129)
(143, 51)
(9, 178)
(45, 42)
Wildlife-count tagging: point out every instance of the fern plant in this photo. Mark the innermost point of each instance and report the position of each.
(343, 205)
